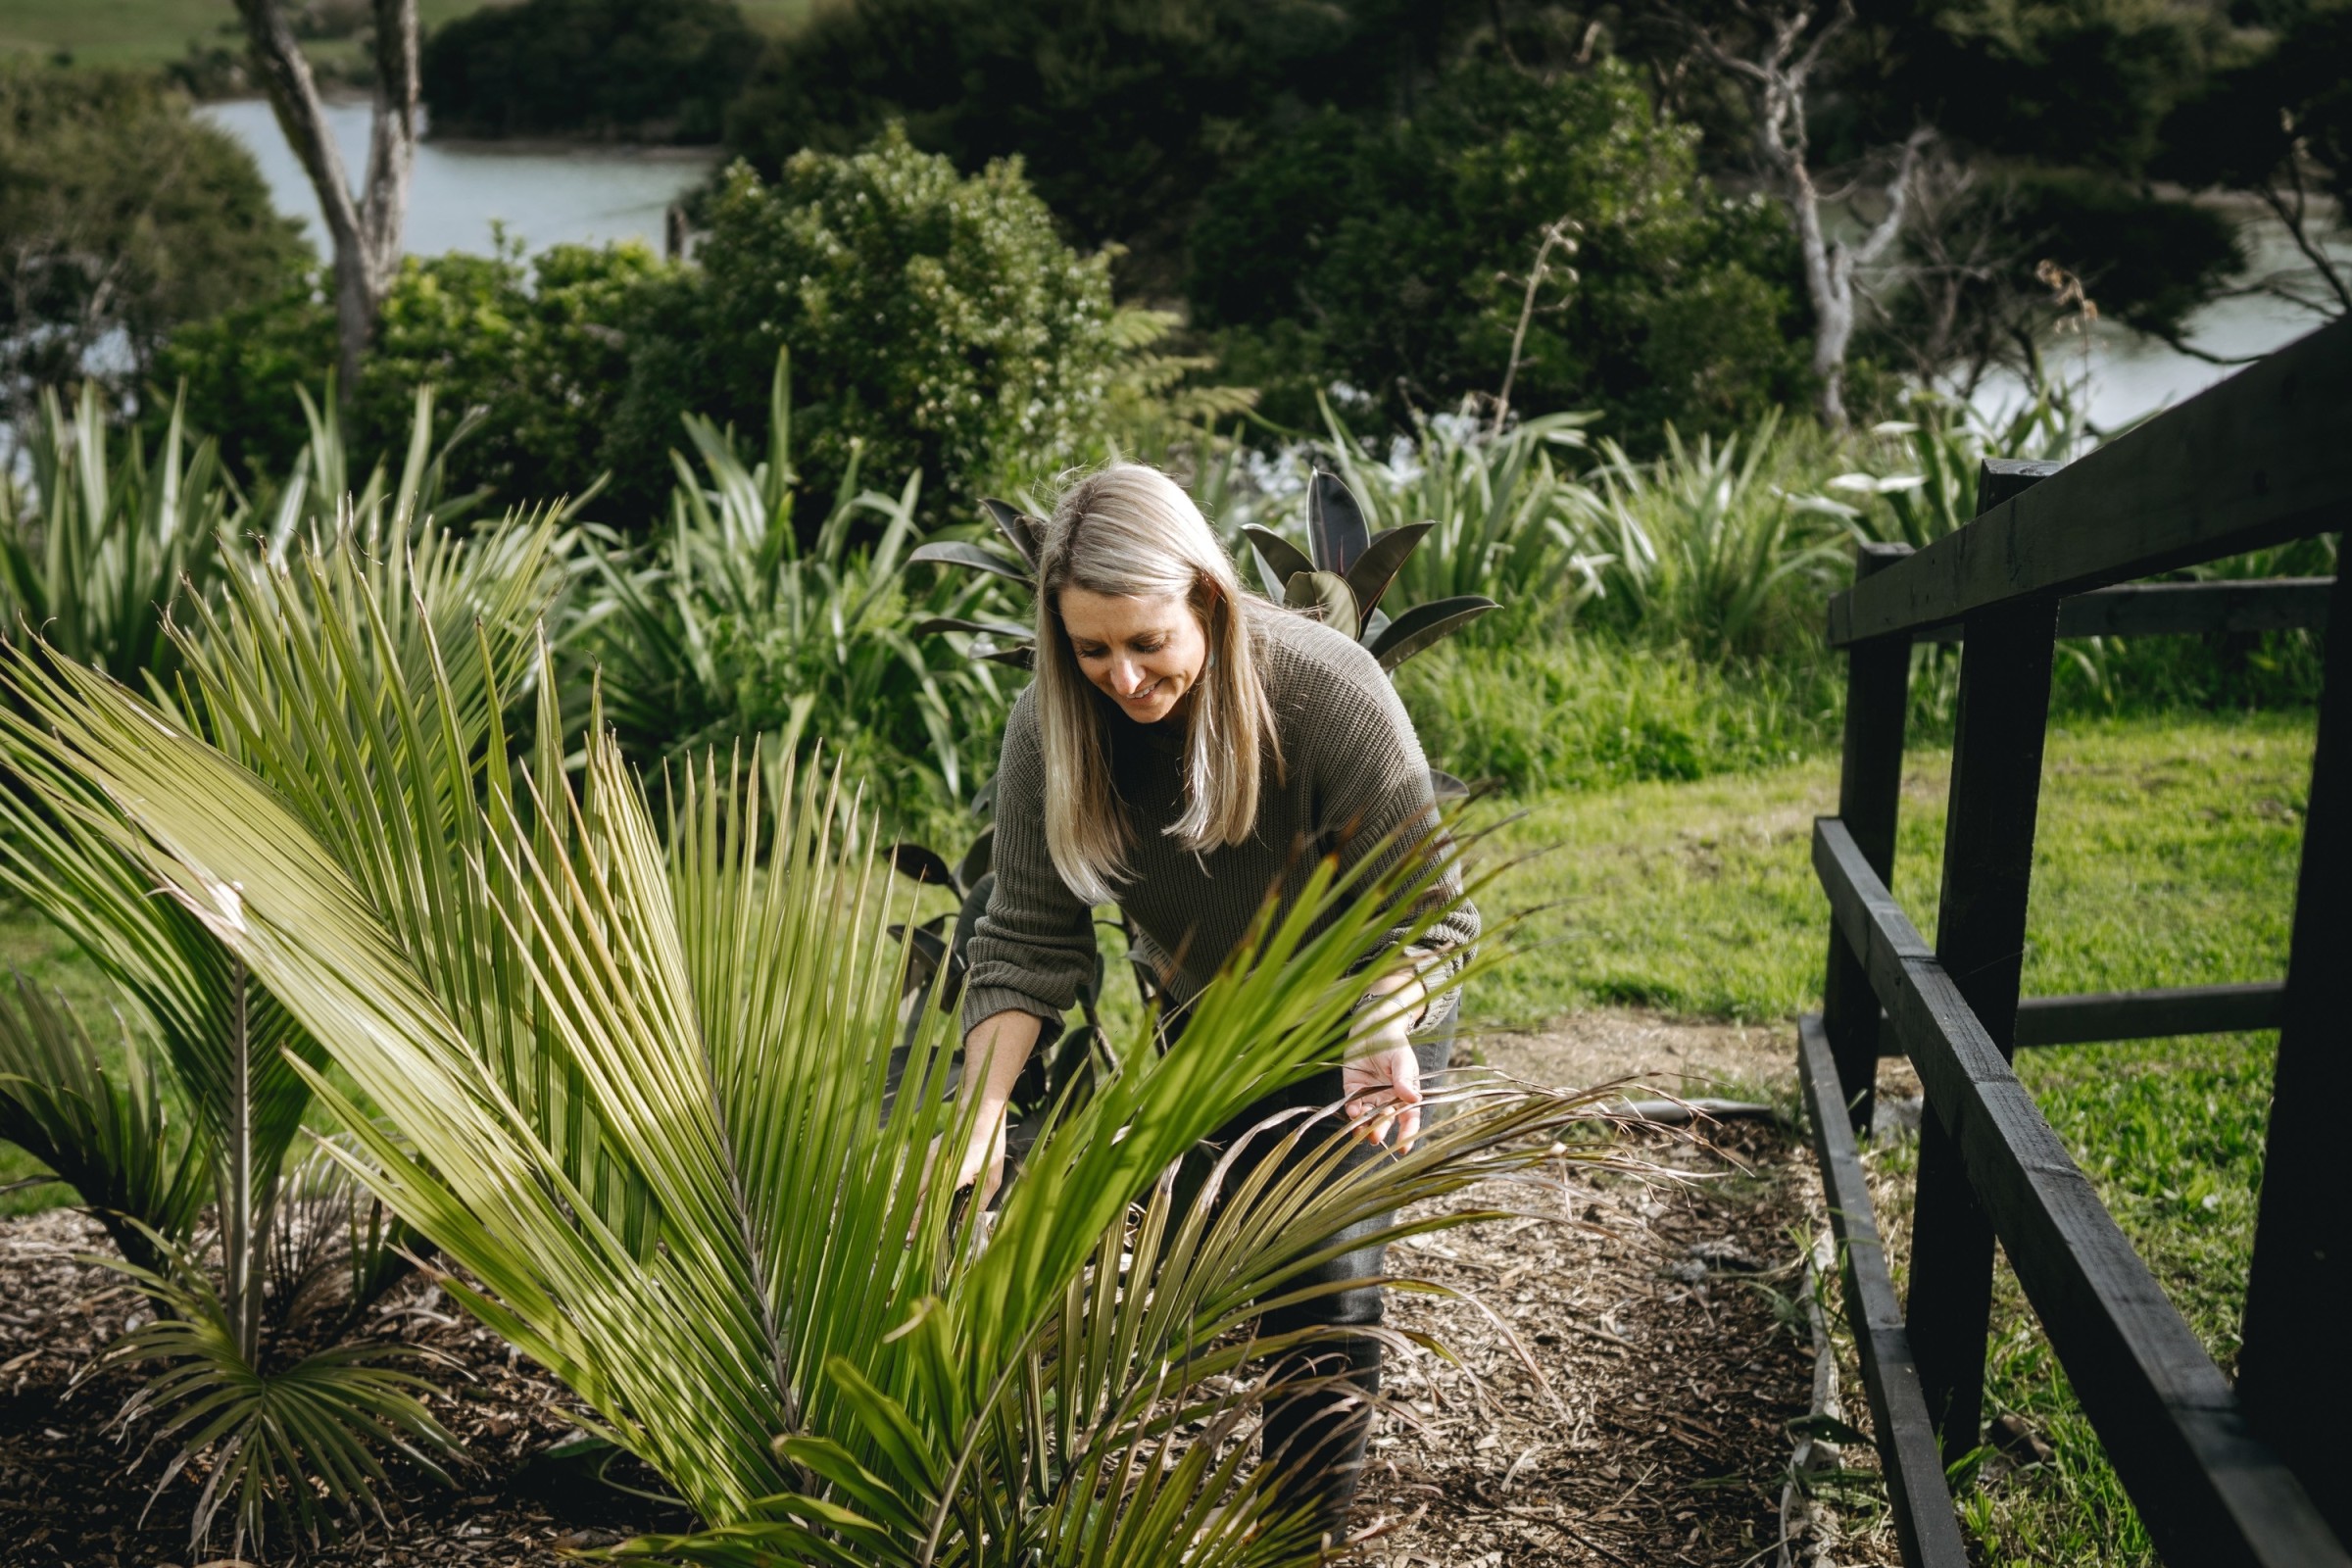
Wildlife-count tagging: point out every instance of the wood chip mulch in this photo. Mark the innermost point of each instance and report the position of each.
(1664, 1316)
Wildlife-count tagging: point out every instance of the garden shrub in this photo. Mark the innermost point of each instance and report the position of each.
(1393, 255)
(541, 348)
(630, 69)
(936, 322)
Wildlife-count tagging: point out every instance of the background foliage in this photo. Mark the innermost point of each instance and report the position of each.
(121, 217)
(624, 69)
(1393, 255)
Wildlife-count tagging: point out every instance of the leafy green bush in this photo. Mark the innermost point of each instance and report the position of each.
(534, 355)
(123, 215)
(1393, 255)
(630, 69)
(936, 322)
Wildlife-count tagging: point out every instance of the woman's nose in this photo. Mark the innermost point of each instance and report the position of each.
(1127, 675)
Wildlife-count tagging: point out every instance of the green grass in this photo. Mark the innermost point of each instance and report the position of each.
(2166, 856)
(151, 32)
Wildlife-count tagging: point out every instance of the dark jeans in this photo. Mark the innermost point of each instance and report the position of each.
(1316, 1439)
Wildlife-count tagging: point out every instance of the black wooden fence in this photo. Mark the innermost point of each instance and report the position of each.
(2258, 1473)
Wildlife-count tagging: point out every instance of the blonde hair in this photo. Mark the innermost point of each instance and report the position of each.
(1128, 530)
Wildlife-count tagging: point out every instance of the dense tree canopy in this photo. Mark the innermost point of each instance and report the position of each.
(631, 70)
(1393, 254)
(1122, 111)
(121, 217)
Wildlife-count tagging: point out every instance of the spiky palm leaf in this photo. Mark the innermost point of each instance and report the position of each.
(232, 1049)
(96, 541)
(640, 1096)
(105, 1133)
(1704, 542)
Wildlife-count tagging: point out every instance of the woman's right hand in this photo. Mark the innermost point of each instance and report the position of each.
(983, 1166)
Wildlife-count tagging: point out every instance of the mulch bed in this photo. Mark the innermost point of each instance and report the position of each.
(1664, 1316)
(1657, 1433)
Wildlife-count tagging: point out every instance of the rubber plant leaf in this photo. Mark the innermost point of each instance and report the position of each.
(1018, 529)
(986, 628)
(1423, 624)
(962, 553)
(1020, 656)
(1325, 595)
(1278, 560)
(977, 861)
(1371, 575)
(1336, 534)
(926, 865)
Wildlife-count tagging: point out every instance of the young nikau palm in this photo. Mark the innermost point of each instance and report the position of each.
(299, 1249)
(635, 1084)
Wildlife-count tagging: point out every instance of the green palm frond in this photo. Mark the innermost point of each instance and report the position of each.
(298, 1442)
(641, 1087)
(105, 1133)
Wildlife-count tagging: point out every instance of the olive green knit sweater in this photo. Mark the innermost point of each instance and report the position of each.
(1353, 782)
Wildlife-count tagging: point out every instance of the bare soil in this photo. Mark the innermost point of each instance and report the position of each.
(1625, 1356)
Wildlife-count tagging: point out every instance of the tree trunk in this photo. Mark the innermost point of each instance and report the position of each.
(1829, 282)
(363, 230)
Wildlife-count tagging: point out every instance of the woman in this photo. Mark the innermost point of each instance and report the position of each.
(1183, 743)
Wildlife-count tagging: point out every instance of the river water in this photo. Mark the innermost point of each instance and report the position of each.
(591, 194)
(2131, 375)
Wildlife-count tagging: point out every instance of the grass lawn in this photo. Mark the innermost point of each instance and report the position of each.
(148, 33)
(2166, 856)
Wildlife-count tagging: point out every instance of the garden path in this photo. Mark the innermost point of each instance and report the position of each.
(1666, 1315)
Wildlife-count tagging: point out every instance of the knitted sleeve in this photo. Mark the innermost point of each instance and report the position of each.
(1373, 799)
(1035, 945)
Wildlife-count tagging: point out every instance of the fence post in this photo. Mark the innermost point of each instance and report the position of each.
(1997, 736)
(2295, 1371)
(1869, 782)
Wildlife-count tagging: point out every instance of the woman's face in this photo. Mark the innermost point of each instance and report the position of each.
(1143, 653)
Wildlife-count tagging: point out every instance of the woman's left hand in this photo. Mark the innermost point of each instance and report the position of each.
(1383, 1087)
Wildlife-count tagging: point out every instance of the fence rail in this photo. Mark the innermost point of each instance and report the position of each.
(2250, 1474)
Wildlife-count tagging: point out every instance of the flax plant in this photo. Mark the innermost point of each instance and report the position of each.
(632, 1080)
(1706, 548)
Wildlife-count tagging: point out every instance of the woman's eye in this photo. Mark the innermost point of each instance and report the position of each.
(1152, 646)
